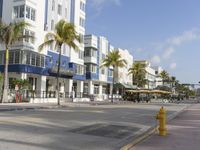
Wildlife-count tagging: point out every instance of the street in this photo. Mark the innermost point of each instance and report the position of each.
(101, 127)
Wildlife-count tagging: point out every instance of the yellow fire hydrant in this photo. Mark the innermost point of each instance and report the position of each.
(161, 116)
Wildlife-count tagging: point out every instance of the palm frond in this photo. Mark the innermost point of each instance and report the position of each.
(18, 28)
(65, 33)
(46, 43)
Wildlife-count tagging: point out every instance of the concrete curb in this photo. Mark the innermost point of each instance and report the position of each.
(140, 137)
(29, 108)
(20, 109)
(151, 130)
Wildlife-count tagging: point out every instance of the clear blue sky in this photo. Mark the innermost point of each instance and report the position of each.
(165, 32)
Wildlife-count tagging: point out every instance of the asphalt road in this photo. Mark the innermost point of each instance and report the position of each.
(102, 127)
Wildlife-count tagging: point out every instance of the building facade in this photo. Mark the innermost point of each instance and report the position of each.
(81, 74)
(26, 62)
(152, 75)
(122, 74)
(98, 79)
(158, 70)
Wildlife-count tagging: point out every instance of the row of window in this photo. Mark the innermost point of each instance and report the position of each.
(104, 89)
(34, 59)
(150, 76)
(96, 89)
(31, 38)
(80, 70)
(65, 51)
(110, 72)
(24, 57)
(59, 8)
(103, 72)
(91, 68)
(90, 52)
(19, 12)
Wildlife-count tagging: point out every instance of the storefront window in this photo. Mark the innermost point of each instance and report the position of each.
(104, 89)
(85, 89)
(96, 89)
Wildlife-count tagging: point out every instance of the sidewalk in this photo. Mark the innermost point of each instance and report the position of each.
(29, 106)
(25, 106)
(183, 133)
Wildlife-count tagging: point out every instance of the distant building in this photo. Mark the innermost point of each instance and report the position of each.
(98, 79)
(158, 70)
(122, 75)
(152, 75)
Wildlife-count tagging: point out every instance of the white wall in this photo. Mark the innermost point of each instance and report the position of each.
(103, 51)
(90, 41)
(80, 30)
(122, 73)
(53, 15)
(37, 26)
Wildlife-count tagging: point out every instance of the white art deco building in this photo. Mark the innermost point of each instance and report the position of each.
(99, 79)
(25, 62)
(152, 75)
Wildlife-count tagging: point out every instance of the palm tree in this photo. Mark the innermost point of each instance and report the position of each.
(138, 71)
(173, 81)
(9, 34)
(65, 33)
(165, 76)
(114, 59)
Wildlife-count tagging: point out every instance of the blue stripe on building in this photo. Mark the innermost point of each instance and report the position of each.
(50, 62)
(91, 76)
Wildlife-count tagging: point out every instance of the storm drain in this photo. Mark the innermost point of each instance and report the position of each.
(106, 130)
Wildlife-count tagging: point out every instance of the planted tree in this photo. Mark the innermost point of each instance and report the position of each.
(9, 34)
(115, 60)
(64, 33)
(173, 81)
(165, 76)
(139, 74)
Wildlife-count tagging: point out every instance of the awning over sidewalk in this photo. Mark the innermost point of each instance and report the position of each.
(149, 91)
(126, 86)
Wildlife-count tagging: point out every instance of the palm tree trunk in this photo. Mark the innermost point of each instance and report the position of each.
(58, 75)
(5, 87)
